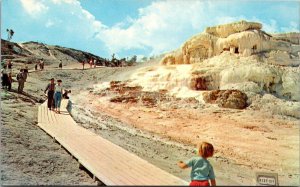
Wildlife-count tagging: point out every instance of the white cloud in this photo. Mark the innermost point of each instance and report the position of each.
(34, 7)
(68, 23)
(270, 27)
(165, 25)
(53, 22)
(49, 23)
(65, 1)
(160, 27)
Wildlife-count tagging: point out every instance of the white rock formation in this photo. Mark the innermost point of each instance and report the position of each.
(225, 30)
(232, 56)
(243, 38)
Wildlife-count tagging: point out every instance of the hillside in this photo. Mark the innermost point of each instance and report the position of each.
(31, 52)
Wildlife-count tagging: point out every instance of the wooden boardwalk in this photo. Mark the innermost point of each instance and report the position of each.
(108, 162)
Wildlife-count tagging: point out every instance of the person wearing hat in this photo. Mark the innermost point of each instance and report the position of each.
(50, 88)
(58, 96)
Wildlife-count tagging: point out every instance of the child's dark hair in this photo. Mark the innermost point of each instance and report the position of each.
(206, 149)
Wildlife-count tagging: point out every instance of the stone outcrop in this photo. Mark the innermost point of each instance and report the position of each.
(124, 93)
(225, 30)
(226, 98)
(241, 38)
(231, 65)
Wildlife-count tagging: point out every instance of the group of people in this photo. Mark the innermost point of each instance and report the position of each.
(55, 95)
(7, 78)
(39, 64)
(91, 62)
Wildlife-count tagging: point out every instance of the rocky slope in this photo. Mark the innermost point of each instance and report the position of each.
(32, 52)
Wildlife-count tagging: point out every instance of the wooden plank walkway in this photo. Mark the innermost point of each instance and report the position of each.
(108, 162)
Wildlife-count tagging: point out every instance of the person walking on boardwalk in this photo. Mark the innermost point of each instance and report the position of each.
(21, 80)
(58, 96)
(202, 171)
(50, 88)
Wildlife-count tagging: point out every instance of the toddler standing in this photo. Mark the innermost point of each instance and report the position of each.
(202, 171)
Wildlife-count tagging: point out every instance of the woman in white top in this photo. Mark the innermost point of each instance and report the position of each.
(58, 96)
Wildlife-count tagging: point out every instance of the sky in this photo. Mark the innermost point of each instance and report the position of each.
(136, 27)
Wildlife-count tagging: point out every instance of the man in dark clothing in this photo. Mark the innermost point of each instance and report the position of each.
(42, 64)
(10, 80)
(83, 62)
(60, 64)
(9, 64)
(21, 80)
(4, 78)
(50, 87)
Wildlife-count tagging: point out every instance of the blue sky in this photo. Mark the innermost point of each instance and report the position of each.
(135, 27)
